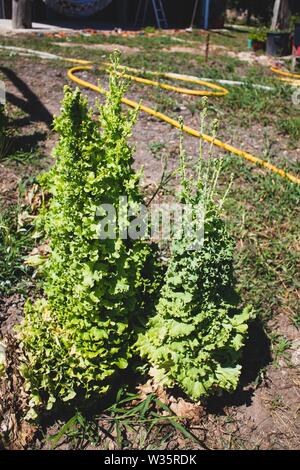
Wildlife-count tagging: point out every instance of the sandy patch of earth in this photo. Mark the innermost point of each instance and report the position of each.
(252, 58)
(101, 47)
(194, 50)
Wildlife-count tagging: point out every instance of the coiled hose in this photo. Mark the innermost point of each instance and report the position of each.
(215, 90)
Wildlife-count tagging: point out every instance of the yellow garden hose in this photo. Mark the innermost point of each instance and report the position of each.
(221, 91)
(163, 117)
(215, 90)
(287, 76)
(218, 89)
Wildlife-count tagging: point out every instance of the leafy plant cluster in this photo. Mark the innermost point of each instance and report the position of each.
(98, 294)
(197, 334)
(77, 337)
(259, 35)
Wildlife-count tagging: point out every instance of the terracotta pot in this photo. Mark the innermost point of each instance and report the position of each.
(258, 45)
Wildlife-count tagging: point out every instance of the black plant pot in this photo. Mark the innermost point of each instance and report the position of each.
(278, 43)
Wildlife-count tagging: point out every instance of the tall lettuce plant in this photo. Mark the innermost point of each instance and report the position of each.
(77, 336)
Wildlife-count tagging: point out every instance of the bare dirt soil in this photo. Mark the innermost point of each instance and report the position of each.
(264, 412)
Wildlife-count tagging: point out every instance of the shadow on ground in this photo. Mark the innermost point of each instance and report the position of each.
(256, 357)
(34, 109)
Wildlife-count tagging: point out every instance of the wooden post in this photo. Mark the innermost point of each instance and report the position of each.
(21, 14)
(207, 47)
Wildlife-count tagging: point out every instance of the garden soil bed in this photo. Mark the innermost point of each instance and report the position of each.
(264, 412)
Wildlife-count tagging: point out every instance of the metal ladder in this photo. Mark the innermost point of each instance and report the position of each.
(159, 11)
(160, 14)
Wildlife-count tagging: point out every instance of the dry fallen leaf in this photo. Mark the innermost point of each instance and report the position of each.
(151, 387)
(24, 436)
(34, 197)
(185, 409)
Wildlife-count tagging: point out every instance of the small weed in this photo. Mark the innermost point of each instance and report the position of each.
(125, 424)
(166, 102)
(23, 157)
(280, 346)
(260, 378)
(79, 431)
(291, 126)
(149, 29)
(156, 147)
(276, 402)
(296, 320)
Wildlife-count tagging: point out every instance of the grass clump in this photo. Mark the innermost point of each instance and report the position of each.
(15, 242)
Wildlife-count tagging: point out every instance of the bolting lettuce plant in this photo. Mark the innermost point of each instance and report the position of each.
(77, 337)
(195, 339)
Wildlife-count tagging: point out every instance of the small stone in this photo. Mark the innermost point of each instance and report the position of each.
(295, 356)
